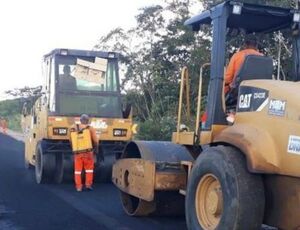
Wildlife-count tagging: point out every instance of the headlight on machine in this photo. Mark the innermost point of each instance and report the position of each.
(120, 132)
(60, 131)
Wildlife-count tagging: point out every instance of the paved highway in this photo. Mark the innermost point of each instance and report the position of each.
(25, 205)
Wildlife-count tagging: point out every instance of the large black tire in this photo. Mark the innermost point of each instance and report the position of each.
(45, 164)
(103, 169)
(243, 197)
(68, 162)
(64, 168)
(59, 168)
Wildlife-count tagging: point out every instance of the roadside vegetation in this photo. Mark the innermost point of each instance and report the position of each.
(11, 111)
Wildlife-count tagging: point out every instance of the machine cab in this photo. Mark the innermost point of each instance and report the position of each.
(78, 81)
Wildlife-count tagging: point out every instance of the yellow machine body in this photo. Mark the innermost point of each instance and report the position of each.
(49, 127)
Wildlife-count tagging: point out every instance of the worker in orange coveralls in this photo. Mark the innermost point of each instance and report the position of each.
(237, 60)
(3, 125)
(84, 157)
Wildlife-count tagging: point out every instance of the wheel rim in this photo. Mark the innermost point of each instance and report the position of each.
(209, 202)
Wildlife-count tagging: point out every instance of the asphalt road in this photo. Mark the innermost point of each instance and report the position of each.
(27, 205)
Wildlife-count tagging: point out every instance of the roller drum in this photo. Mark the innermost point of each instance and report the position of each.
(166, 157)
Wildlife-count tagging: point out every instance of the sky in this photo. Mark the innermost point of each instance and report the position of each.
(32, 28)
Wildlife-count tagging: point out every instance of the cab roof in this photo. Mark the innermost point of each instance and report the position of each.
(84, 53)
(254, 18)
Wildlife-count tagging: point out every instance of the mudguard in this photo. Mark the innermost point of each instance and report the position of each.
(256, 143)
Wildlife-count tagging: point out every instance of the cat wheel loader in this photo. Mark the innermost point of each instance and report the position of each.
(75, 82)
(236, 175)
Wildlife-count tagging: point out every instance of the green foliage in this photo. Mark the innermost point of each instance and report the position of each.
(11, 111)
(155, 51)
(160, 130)
(15, 122)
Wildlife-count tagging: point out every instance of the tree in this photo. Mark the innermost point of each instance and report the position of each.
(25, 92)
(154, 52)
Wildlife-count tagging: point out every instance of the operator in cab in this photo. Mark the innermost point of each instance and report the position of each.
(250, 48)
(83, 141)
(237, 60)
(67, 81)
